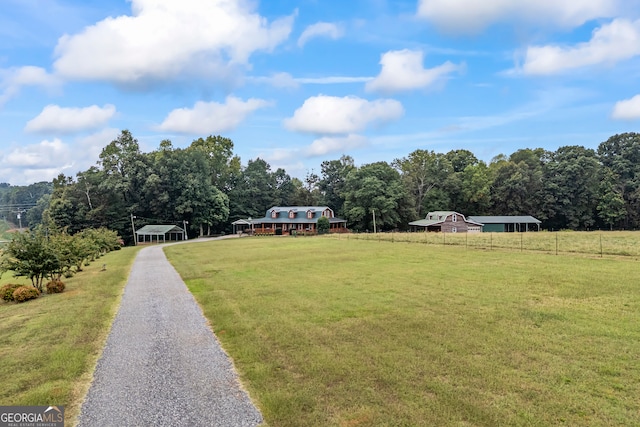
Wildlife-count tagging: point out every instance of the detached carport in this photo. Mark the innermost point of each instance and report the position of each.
(508, 223)
(242, 225)
(159, 234)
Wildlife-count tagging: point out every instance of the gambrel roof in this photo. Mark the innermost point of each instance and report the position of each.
(299, 215)
(438, 217)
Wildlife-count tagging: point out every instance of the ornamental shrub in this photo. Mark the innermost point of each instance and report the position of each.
(7, 291)
(323, 225)
(55, 287)
(25, 293)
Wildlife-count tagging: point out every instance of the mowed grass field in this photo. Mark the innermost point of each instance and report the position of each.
(49, 346)
(598, 243)
(338, 332)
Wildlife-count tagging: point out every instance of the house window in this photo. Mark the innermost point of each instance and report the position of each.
(454, 218)
(292, 214)
(454, 229)
(309, 214)
(274, 214)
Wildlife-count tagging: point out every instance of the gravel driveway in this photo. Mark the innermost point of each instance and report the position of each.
(162, 365)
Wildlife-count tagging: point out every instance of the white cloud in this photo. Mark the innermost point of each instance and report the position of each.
(611, 43)
(280, 80)
(286, 80)
(89, 147)
(330, 144)
(49, 158)
(320, 29)
(279, 157)
(54, 118)
(403, 70)
(43, 155)
(334, 115)
(165, 38)
(466, 16)
(628, 109)
(332, 80)
(211, 117)
(13, 79)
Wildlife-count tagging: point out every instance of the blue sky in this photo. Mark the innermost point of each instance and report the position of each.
(299, 82)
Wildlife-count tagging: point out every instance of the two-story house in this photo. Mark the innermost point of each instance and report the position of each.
(286, 219)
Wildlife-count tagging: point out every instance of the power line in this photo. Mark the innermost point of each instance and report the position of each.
(18, 205)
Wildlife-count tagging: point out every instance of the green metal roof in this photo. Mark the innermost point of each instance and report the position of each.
(159, 229)
(426, 222)
(506, 219)
(300, 216)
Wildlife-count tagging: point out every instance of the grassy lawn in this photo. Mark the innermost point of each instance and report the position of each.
(598, 243)
(364, 333)
(49, 346)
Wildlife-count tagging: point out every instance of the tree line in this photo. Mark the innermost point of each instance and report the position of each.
(206, 187)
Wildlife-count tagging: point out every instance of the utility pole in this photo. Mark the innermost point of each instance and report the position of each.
(19, 213)
(374, 220)
(133, 228)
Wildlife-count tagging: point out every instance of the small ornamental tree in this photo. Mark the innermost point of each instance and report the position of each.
(29, 254)
(323, 225)
(62, 245)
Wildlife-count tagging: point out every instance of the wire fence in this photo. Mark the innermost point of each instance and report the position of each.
(594, 243)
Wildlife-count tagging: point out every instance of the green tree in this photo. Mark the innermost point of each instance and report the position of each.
(323, 225)
(125, 169)
(255, 191)
(306, 193)
(611, 205)
(377, 188)
(223, 164)
(455, 183)
(35, 214)
(571, 180)
(332, 180)
(423, 172)
(518, 183)
(196, 199)
(476, 189)
(621, 155)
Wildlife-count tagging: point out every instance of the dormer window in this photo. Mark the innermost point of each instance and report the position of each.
(274, 214)
(309, 214)
(292, 214)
